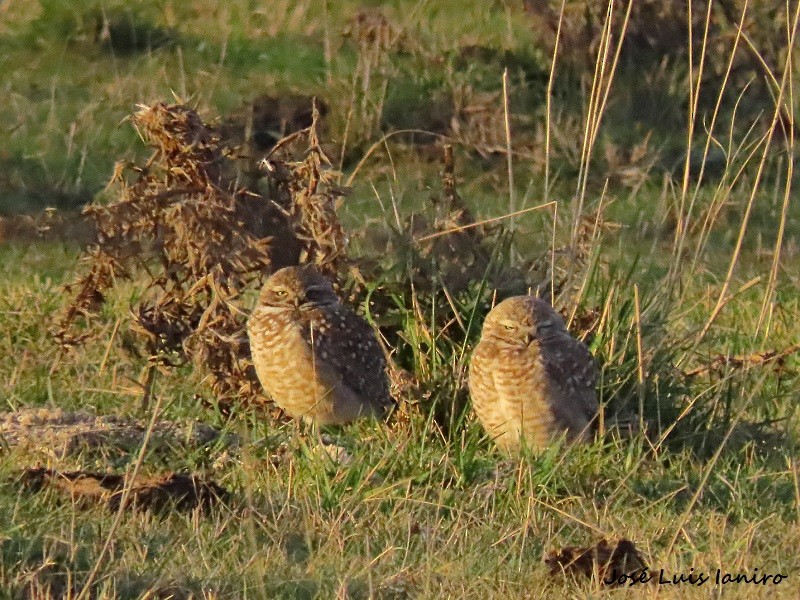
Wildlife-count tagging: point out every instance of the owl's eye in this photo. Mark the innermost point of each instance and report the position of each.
(280, 293)
(508, 327)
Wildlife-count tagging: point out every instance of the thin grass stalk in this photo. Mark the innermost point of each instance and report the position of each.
(712, 125)
(485, 222)
(721, 300)
(348, 121)
(553, 254)
(694, 84)
(689, 510)
(794, 468)
(512, 203)
(679, 233)
(223, 53)
(326, 42)
(694, 98)
(590, 265)
(769, 294)
(126, 490)
(594, 528)
(639, 354)
(612, 72)
(727, 183)
(107, 352)
(525, 527)
(549, 103)
(767, 72)
(181, 72)
(599, 67)
(596, 114)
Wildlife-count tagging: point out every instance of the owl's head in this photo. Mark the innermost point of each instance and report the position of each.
(522, 319)
(296, 287)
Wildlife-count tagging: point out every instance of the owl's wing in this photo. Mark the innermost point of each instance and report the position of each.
(573, 375)
(346, 344)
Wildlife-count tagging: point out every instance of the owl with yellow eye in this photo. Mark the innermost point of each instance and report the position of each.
(316, 358)
(530, 380)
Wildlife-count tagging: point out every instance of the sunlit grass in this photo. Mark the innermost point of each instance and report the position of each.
(688, 261)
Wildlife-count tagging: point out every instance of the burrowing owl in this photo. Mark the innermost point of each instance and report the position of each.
(530, 381)
(317, 359)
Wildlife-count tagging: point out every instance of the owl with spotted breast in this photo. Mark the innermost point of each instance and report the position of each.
(316, 358)
(530, 380)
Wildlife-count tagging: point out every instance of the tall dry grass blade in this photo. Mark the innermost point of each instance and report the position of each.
(637, 313)
(601, 89)
(326, 42)
(591, 116)
(588, 240)
(710, 130)
(694, 84)
(772, 283)
(776, 115)
(751, 46)
(548, 103)
(707, 470)
(485, 221)
(126, 490)
(512, 201)
(553, 230)
(795, 468)
(727, 182)
(680, 224)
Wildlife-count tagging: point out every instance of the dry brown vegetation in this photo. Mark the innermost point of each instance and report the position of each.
(653, 29)
(203, 239)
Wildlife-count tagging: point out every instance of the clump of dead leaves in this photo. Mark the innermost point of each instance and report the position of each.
(606, 561)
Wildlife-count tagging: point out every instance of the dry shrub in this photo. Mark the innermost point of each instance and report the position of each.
(375, 37)
(262, 122)
(312, 212)
(202, 240)
(660, 28)
(479, 123)
(655, 27)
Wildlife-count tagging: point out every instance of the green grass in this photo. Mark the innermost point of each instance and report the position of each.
(417, 511)
(428, 508)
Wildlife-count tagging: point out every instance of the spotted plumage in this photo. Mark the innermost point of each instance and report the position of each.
(529, 379)
(315, 357)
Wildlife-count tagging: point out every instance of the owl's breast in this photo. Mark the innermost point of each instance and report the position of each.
(286, 366)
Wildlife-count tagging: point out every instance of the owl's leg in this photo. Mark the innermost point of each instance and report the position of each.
(307, 431)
